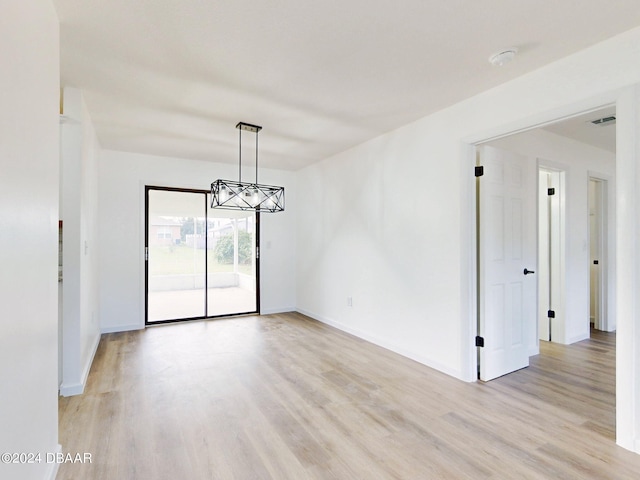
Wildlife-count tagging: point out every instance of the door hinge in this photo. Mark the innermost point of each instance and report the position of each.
(551, 314)
(257, 253)
(551, 191)
(146, 254)
(479, 341)
(479, 171)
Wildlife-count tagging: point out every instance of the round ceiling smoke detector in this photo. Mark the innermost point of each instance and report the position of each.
(503, 57)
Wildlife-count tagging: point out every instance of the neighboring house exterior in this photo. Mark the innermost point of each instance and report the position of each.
(164, 231)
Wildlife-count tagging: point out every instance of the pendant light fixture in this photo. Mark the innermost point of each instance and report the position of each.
(231, 195)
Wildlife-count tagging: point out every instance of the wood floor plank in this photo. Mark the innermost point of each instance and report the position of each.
(285, 397)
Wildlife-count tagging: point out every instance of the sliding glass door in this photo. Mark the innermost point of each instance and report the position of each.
(232, 262)
(200, 262)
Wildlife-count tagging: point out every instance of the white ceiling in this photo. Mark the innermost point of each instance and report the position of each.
(173, 77)
(581, 129)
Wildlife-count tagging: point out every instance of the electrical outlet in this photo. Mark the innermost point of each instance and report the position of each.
(349, 301)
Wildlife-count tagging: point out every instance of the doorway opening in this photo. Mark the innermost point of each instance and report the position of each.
(564, 158)
(551, 253)
(575, 245)
(598, 247)
(199, 262)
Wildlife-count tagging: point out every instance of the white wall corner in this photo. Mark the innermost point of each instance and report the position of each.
(272, 311)
(52, 468)
(627, 268)
(29, 149)
(385, 344)
(468, 266)
(578, 338)
(68, 390)
(121, 328)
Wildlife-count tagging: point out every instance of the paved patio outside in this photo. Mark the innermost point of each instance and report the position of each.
(176, 304)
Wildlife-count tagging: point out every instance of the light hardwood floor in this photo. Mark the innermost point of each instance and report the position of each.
(285, 397)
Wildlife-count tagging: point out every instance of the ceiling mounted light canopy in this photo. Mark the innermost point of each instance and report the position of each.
(239, 195)
(503, 57)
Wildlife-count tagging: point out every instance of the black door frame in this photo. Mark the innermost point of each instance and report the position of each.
(206, 194)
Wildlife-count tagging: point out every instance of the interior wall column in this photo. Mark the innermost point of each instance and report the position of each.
(628, 270)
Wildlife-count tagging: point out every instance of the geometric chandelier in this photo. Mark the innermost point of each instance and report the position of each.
(239, 195)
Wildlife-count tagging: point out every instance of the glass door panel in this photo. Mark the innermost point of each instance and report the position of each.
(176, 255)
(231, 262)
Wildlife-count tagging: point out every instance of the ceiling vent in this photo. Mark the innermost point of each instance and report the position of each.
(610, 120)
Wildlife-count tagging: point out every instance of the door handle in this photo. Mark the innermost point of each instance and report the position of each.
(527, 272)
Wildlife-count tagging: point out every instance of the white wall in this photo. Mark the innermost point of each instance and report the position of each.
(123, 177)
(385, 232)
(29, 93)
(79, 212)
(395, 229)
(628, 269)
(579, 161)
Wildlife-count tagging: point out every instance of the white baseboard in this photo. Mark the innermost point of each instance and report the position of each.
(121, 328)
(68, 390)
(271, 311)
(578, 338)
(52, 468)
(385, 344)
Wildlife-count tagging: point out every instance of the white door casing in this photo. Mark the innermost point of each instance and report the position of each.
(544, 250)
(551, 254)
(597, 266)
(507, 246)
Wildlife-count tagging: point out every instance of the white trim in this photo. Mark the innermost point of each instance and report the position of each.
(578, 338)
(71, 390)
(122, 328)
(627, 267)
(52, 468)
(271, 311)
(78, 388)
(609, 192)
(468, 268)
(384, 344)
(559, 328)
(87, 366)
(142, 208)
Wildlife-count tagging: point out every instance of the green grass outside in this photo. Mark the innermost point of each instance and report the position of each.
(181, 259)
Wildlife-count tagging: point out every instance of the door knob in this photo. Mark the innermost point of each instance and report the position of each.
(527, 272)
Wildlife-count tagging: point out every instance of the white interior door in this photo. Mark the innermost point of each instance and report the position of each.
(507, 249)
(595, 251)
(551, 255)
